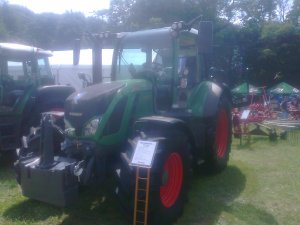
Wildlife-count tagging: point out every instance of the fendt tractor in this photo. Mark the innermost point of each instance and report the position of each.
(160, 91)
(26, 90)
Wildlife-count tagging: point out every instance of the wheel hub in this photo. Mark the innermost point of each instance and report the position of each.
(165, 178)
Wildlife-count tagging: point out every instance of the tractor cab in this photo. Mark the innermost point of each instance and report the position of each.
(21, 68)
(166, 57)
(26, 89)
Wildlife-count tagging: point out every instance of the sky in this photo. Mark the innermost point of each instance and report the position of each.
(61, 6)
(66, 57)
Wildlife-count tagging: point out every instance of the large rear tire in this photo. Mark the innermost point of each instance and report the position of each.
(168, 180)
(219, 135)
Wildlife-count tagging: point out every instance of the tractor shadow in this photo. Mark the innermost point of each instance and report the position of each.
(96, 205)
(31, 211)
(7, 175)
(210, 196)
(17, 208)
(249, 143)
(7, 159)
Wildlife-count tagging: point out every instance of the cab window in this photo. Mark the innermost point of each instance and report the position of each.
(43, 67)
(16, 70)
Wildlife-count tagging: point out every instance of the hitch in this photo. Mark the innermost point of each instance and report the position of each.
(46, 143)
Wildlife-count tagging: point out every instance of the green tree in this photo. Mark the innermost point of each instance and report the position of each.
(16, 20)
(294, 14)
(283, 7)
(43, 29)
(132, 15)
(270, 49)
(226, 47)
(120, 12)
(248, 44)
(95, 24)
(259, 10)
(3, 31)
(228, 9)
(280, 51)
(70, 26)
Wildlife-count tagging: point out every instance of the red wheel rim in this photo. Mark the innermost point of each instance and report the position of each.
(172, 180)
(222, 133)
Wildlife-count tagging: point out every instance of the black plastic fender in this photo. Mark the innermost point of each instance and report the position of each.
(157, 123)
(53, 95)
(44, 99)
(205, 98)
(157, 126)
(204, 104)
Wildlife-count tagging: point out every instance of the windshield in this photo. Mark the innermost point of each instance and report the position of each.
(133, 61)
(19, 69)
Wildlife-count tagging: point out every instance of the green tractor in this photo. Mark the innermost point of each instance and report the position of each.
(26, 90)
(160, 91)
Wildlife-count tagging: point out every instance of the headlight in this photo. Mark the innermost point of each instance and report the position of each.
(91, 127)
(69, 130)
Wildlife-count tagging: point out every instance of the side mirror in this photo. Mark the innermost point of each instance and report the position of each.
(205, 37)
(76, 52)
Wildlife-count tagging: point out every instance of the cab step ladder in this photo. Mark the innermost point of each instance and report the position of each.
(141, 198)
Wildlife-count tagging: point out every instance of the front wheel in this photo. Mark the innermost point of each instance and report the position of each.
(168, 180)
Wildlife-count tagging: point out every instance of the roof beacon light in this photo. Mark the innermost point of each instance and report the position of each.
(174, 26)
(177, 26)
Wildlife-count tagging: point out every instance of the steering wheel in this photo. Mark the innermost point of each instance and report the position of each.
(132, 70)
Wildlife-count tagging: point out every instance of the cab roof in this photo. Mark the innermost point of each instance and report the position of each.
(152, 37)
(13, 50)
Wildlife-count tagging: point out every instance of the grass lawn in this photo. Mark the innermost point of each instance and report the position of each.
(261, 186)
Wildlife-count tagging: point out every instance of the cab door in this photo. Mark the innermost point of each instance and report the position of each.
(15, 80)
(188, 71)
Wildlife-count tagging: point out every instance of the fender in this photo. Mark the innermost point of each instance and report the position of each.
(158, 125)
(205, 98)
(157, 128)
(54, 95)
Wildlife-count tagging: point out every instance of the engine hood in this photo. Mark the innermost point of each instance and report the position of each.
(95, 92)
(94, 101)
(89, 102)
